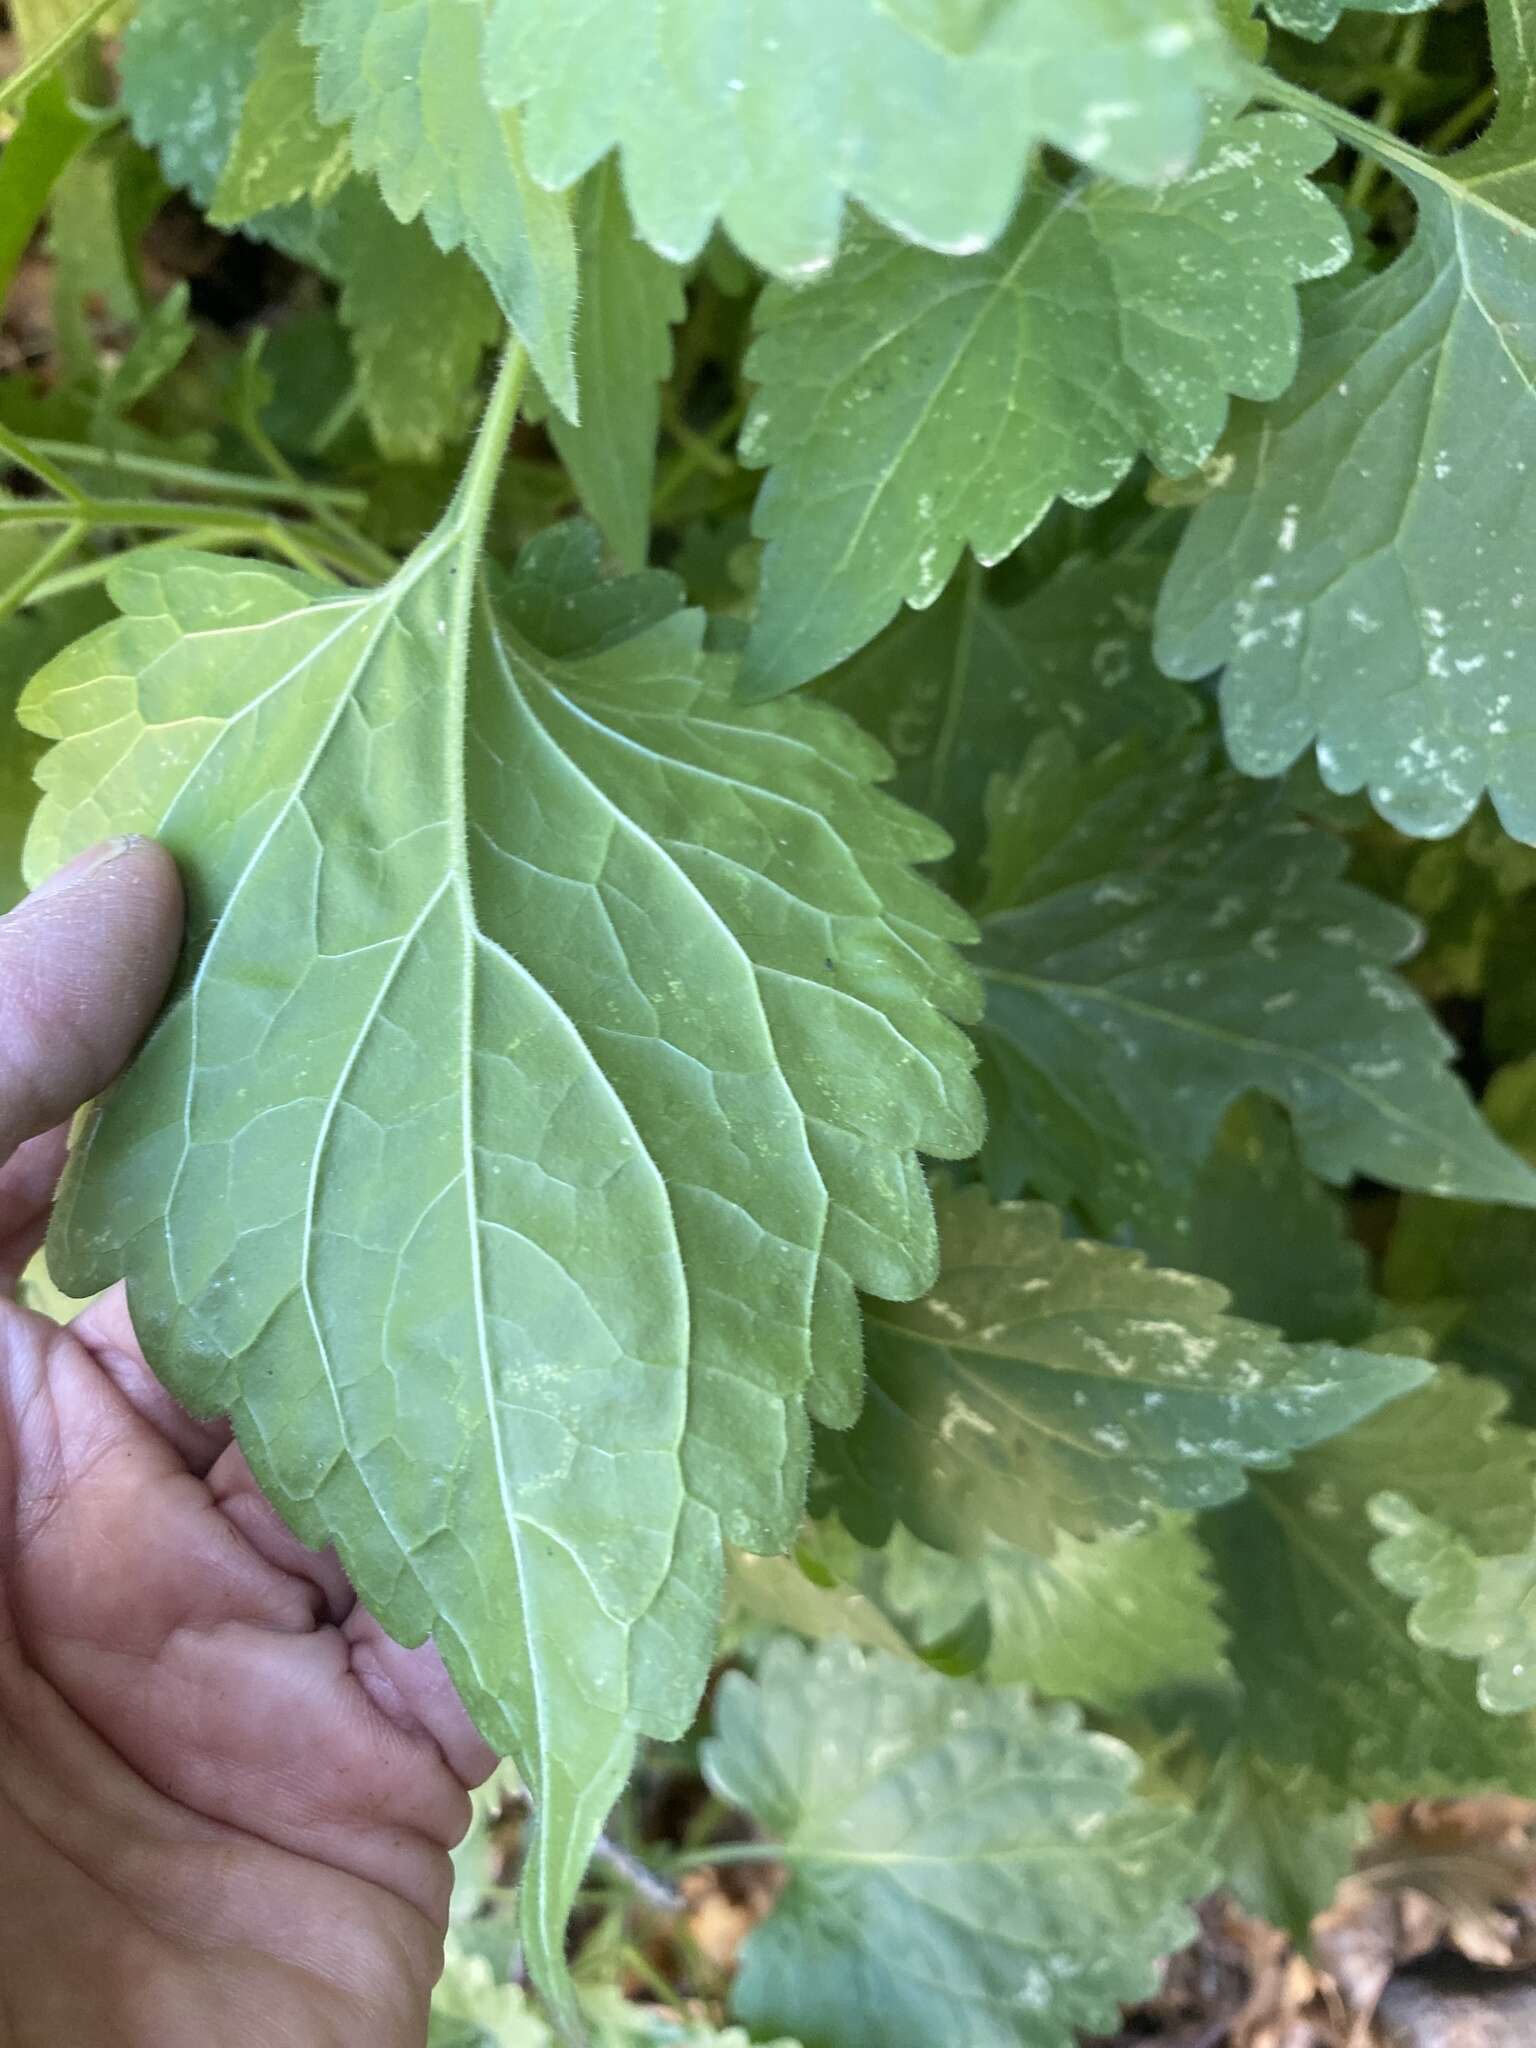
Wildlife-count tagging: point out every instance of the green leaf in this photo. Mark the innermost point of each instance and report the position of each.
(911, 405)
(179, 55)
(1103, 1622)
(1180, 922)
(768, 123)
(1318, 18)
(1270, 1232)
(1335, 1682)
(957, 691)
(48, 136)
(408, 79)
(629, 300)
(778, 1593)
(282, 150)
(1479, 1608)
(420, 323)
(471, 2008)
(28, 639)
(1054, 1384)
(962, 1863)
(1279, 1856)
(1362, 572)
(557, 1035)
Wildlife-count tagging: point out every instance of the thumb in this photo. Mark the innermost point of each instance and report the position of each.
(84, 964)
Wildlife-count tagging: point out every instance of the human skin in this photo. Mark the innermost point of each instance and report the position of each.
(226, 1797)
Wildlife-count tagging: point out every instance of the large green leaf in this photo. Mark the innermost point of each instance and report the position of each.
(1362, 573)
(963, 1865)
(1335, 1681)
(957, 691)
(768, 117)
(1182, 939)
(911, 405)
(408, 79)
(1050, 1383)
(553, 1043)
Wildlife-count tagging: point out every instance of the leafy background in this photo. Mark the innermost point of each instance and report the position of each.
(1137, 450)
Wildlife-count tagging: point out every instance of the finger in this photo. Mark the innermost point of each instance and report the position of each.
(84, 964)
(413, 1688)
(410, 1687)
(106, 1331)
(27, 1182)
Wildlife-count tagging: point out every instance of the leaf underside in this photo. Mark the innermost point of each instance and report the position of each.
(547, 1068)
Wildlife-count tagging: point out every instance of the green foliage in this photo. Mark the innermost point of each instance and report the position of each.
(1175, 919)
(1052, 1383)
(1335, 1682)
(1109, 428)
(1373, 602)
(911, 405)
(767, 122)
(925, 1821)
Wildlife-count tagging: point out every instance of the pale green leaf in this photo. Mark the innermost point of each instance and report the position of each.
(1362, 574)
(420, 323)
(1479, 1608)
(472, 2008)
(956, 692)
(1102, 1622)
(408, 80)
(629, 299)
(1183, 939)
(963, 1865)
(618, 2022)
(282, 150)
(1049, 1384)
(1335, 1682)
(911, 405)
(768, 118)
(553, 1044)
(779, 1593)
(1317, 18)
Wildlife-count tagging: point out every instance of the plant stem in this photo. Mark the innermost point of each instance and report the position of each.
(37, 462)
(640, 1878)
(1456, 125)
(1350, 128)
(21, 82)
(100, 567)
(1389, 109)
(697, 451)
(477, 486)
(729, 1852)
(191, 476)
(301, 544)
(26, 585)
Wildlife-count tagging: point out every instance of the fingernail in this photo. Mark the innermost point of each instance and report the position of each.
(84, 865)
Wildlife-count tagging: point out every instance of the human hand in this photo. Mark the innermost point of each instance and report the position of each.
(226, 1798)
